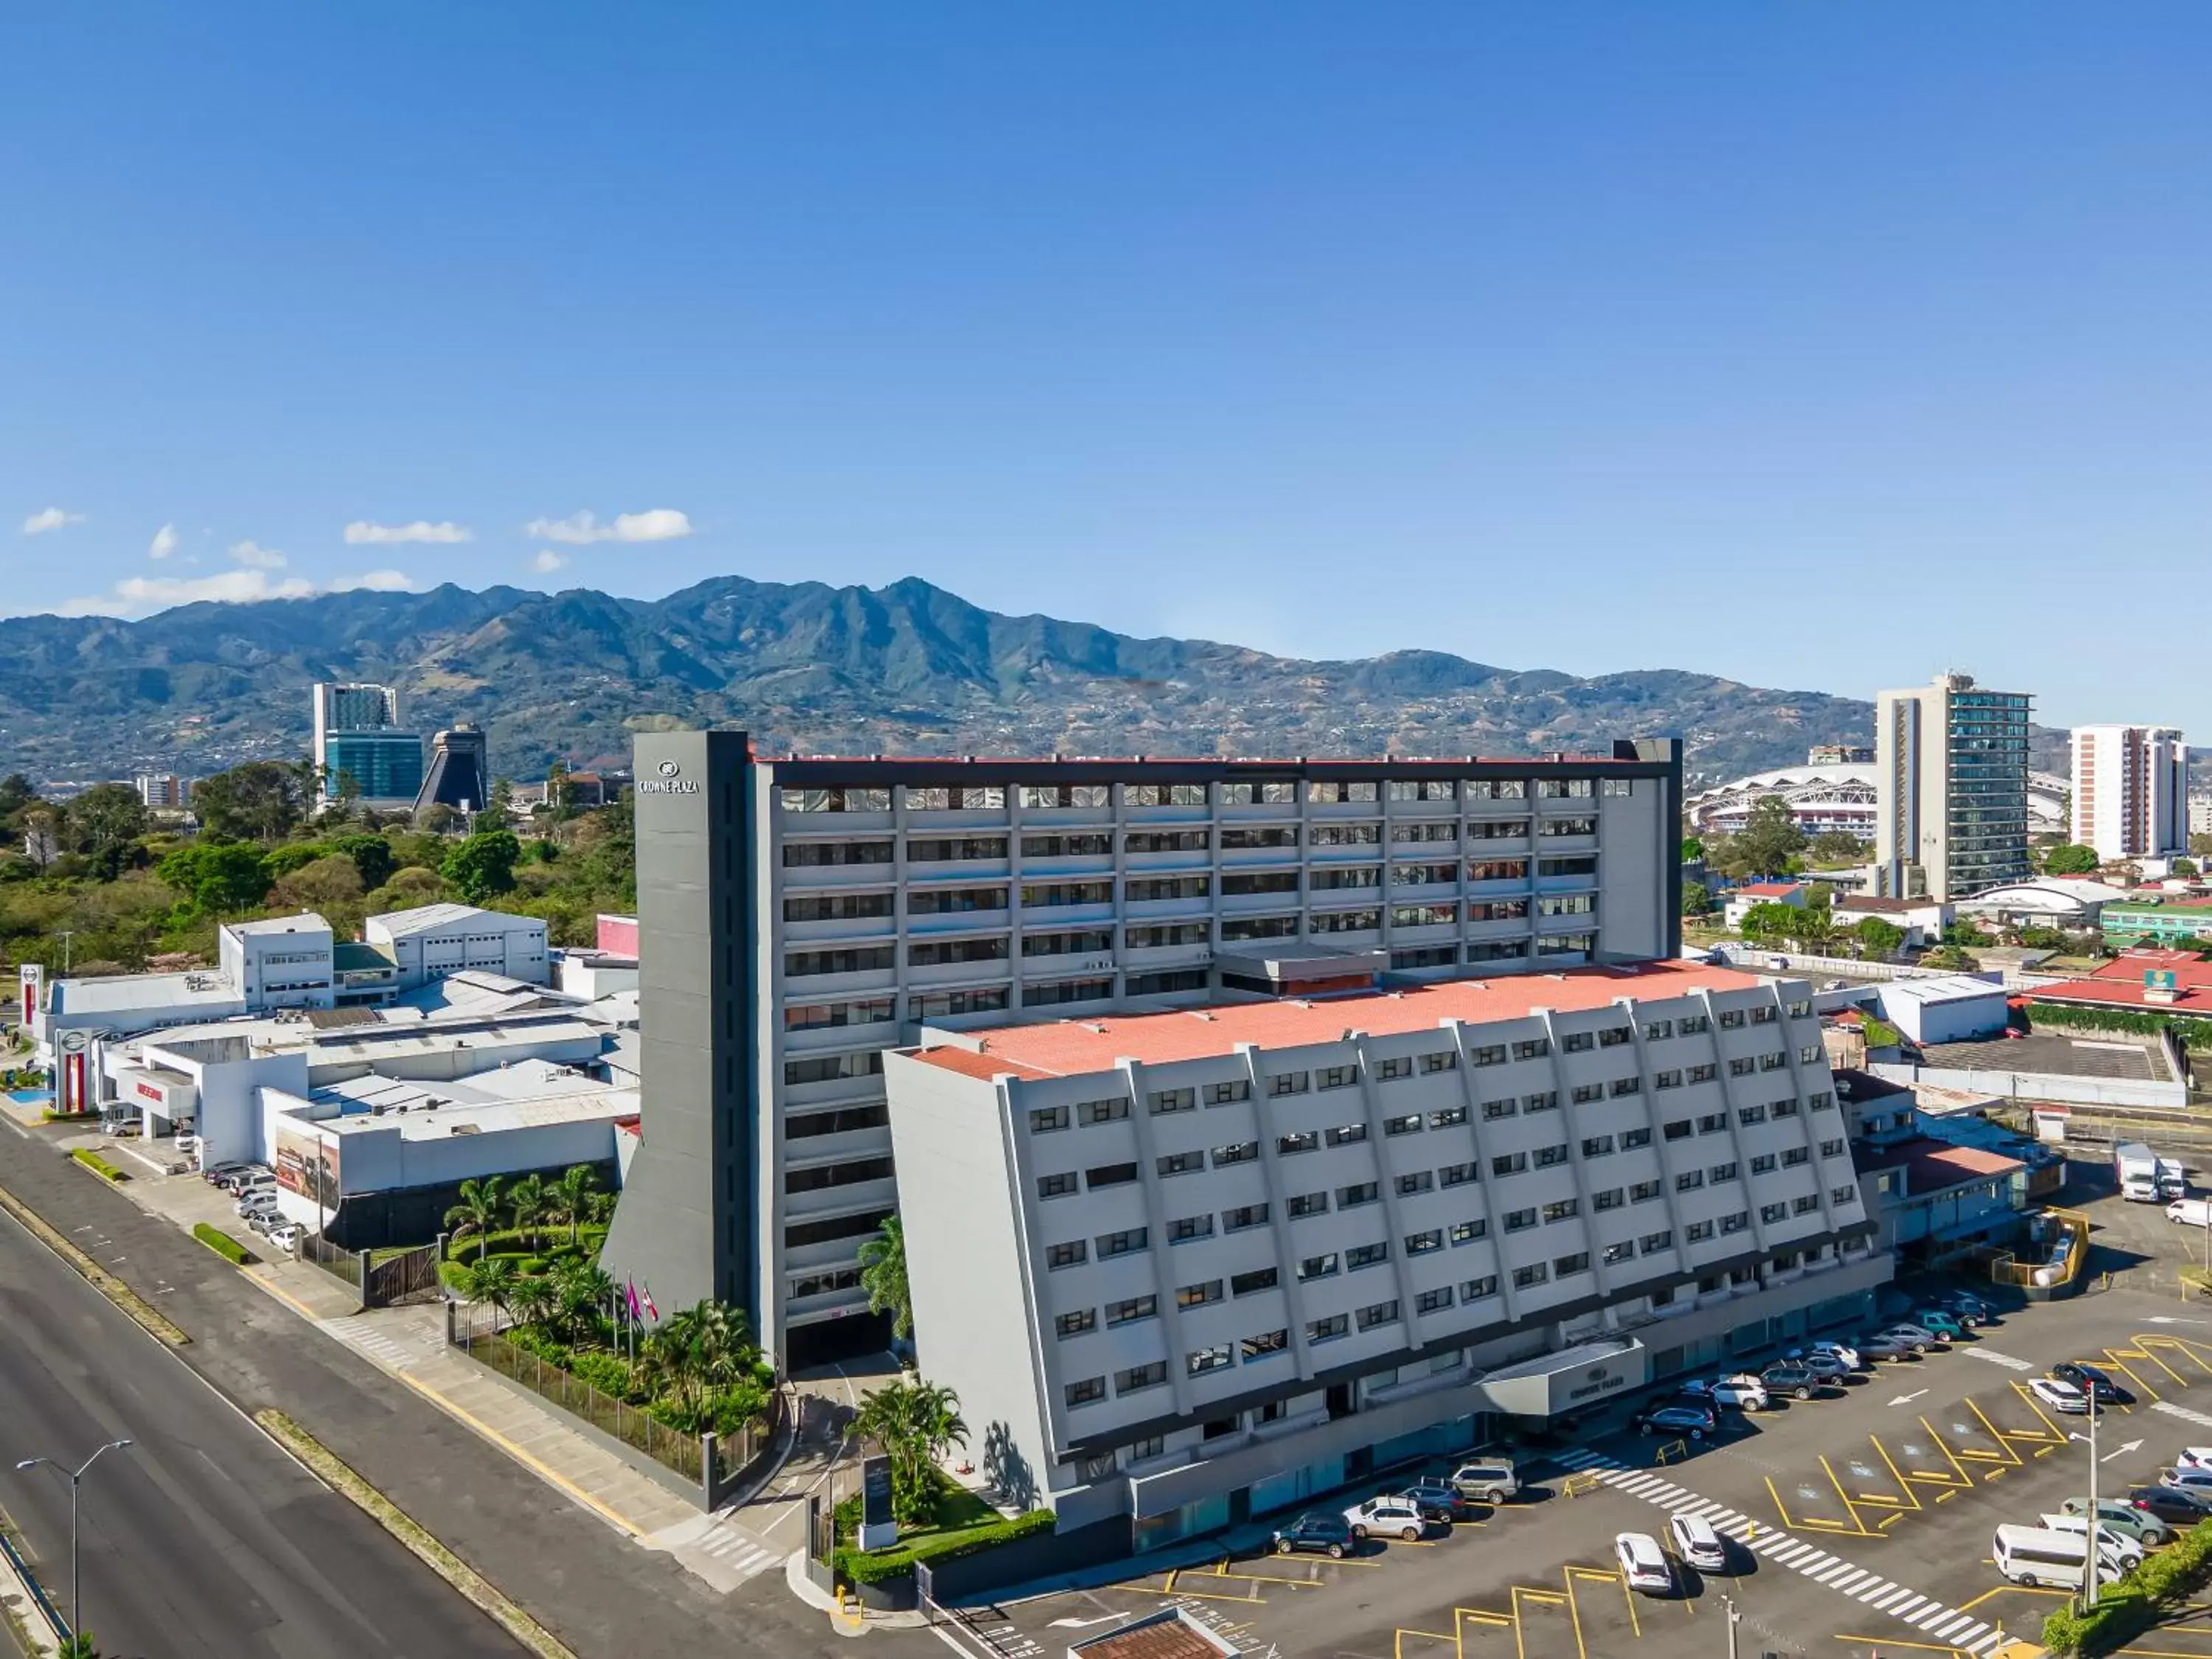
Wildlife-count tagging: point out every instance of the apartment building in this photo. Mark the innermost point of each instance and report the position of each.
(1187, 1268)
(799, 916)
(2131, 791)
(1952, 818)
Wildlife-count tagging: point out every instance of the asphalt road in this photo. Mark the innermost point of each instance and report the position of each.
(202, 1538)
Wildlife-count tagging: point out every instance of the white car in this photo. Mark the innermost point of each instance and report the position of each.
(285, 1236)
(2128, 1552)
(1697, 1543)
(1385, 1514)
(2196, 1479)
(1842, 1351)
(2060, 1396)
(2193, 1457)
(1643, 1564)
(1741, 1389)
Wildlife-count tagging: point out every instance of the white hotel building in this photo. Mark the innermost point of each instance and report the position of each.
(800, 916)
(1187, 1268)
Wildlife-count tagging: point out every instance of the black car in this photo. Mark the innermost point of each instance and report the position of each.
(2182, 1506)
(1790, 1379)
(1436, 1500)
(2093, 1383)
(1690, 1419)
(1315, 1534)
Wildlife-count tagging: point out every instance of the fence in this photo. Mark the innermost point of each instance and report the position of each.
(55, 1622)
(710, 1461)
(334, 1258)
(409, 1276)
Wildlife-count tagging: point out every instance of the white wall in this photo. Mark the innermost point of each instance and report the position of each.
(2042, 1086)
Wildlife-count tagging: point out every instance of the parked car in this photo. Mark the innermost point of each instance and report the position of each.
(1314, 1534)
(2181, 1506)
(262, 1220)
(2129, 1551)
(2093, 1382)
(1697, 1543)
(1827, 1367)
(1912, 1336)
(1685, 1417)
(285, 1236)
(1887, 1350)
(188, 1145)
(1436, 1500)
(2060, 1396)
(256, 1203)
(2193, 1457)
(1643, 1564)
(1971, 1309)
(1787, 1376)
(2125, 1520)
(222, 1172)
(1389, 1514)
(2189, 1480)
(1940, 1323)
(1489, 1479)
(1843, 1351)
(1740, 1390)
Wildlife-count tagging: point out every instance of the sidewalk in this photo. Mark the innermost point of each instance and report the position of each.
(409, 1343)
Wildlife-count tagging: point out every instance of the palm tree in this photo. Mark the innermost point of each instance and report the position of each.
(915, 1423)
(599, 1208)
(580, 1293)
(882, 1275)
(79, 1646)
(571, 1196)
(479, 1211)
(533, 1300)
(493, 1279)
(527, 1202)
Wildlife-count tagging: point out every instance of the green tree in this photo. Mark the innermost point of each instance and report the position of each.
(2070, 860)
(479, 1212)
(1878, 938)
(535, 1300)
(1945, 955)
(492, 1280)
(1765, 924)
(581, 1291)
(217, 879)
(483, 867)
(437, 818)
(78, 1646)
(916, 1423)
(2200, 844)
(1763, 847)
(261, 800)
(498, 813)
(527, 1203)
(17, 795)
(1837, 847)
(2184, 867)
(882, 1275)
(372, 856)
(104, 823)
(1697, 899)
(330, 883)
(570, 1197)
(1693, 849)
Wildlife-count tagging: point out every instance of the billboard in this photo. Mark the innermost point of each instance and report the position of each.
(307, 1164)
(33, 977)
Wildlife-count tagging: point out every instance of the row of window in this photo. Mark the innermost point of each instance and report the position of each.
(944, 1005)
(987, 798)
(882, 851)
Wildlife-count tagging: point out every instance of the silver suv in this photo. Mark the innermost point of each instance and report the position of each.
(1491, 1480)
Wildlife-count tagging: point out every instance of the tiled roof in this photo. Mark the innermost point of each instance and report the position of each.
(1930, 1165)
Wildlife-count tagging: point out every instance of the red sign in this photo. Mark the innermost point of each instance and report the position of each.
(151, 1093)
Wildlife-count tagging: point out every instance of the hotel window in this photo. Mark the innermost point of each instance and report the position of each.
(1058, 894)
(1410, 1124)
(1166, 841)
(1103, 1111)
(1773, 1213)
(1498, 789)
(1607, 1199)
(1565, 1209)
(1346, 922)
(1651, 1243)
(1842, 1194)
(1240, 1151)
(1151, 890)
(1365, 1192)
(1317, 1267)
(1689, 1181)
(1679, 1129)
(1544, 1100)
(1626, 1085)
(1249, 839)
(1498, 870)
(1615, 1037)
(1467, 1233)
(1304, 1141)
(1763, 1163)
(1138, 1377)
(1532, 1048)
(837, 800)
(1492, 1109)
(1065, 795)
(862, 959)
(1697, 1232)
(1455, 1174)
(1300, 1205)
(1423, 875)
(1773, 1062)
(1088, 1392)
(1702, 1073)
(1128, 1312)
(1347, 1135)
(1110, 1175)
(1658, 1030)
(1067, 1255)
(822, 1016)
(1808, 1054)
(1348, 835)
(1378, 1313)
(836, 906)
(1163, 794)
(1742, 1065)
(1809, 1203)
(1420, 1181)
(1586, 1093)
(822, 854)
(1389, 1071)
(1801, 1009)
(1202, 1360)
(1332, 793)
(1506, 1163)
(1451, 1117)
(1692, 1025)
(1223, 1094)
(1563, 788)
(1795, 1157)
(1327, 1330)
(1422, 1243)
(1550, 1157)
(1785, 1109)
(1423, 915)
(1246, 1215)
(1536, 1274)
(1431, 1302)
(1066, 846)
(1567, 1265)
(1081, 942)
(1197, 1296)
(1577, 1042)
(1727, 1171)
(1631, 1139)
(1520, 1220)
(1832, 1149)
(1336, 1077)
(1172, 1100)
(1596, 1146)
(1749, 1115)
(1712, 1123)
(1736, 1223)
(1822, 1101)
(1260, 1279)
(1267, 1342)
(1567, 827)
(1643, 1192)
(1762, 1015)
(1190, 1228)
(1475, 1290)
(938, 953)
(1176, 1163)
(1621, 1252)
(1128, 1242)
(1056, 1186)
(1239, 929)
(1045, 1119)
(1075, 1324)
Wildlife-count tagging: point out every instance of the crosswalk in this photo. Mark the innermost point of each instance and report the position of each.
(1946, 1624)
(715, 1548)
(365, 1334)
(2201, 1419)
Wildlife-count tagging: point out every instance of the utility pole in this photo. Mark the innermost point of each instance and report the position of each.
(76, 1478)
(65, 936)
(1728, 1602)
(2096, 1538)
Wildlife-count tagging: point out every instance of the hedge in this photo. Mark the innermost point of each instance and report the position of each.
(221, 1243)
(2194, 1031)
(2126, 1609)
(875, 1566)
(98, 1166)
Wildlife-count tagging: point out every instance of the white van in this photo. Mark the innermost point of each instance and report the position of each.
(2190, 1211)
(2128, 1552)
(2037, 1558)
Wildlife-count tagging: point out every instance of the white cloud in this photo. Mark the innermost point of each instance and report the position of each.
(548, 562)
(661, 524)
(53, 518)
(258, 558)
(375, 581)
(361, 531)
(164, 543)
(141, 596)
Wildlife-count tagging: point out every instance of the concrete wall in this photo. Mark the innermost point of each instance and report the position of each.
(2042, 1086)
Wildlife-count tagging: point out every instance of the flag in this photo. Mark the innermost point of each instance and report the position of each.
(649, 1307)
(630, 1288)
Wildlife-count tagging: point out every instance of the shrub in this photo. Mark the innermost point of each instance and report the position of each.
(2126, 1609)
(98, 1166)
(454, 1276)
(603, 1372)
(878, 1566)
(221, 1243)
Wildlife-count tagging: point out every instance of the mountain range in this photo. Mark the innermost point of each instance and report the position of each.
(905, 669)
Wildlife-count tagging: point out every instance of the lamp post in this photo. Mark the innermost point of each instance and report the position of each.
(2095, 1554)
(75, 1476)
(1728, 1602)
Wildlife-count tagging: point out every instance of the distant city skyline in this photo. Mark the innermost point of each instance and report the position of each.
(1825, 351)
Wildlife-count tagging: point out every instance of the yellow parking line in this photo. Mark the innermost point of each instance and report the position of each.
(2146, 1342)
(1848, 1508)
(1959, 1477)
(1398, 1645)
(2035, 1405)
(1878, 1643)
(2119, 1358)
(1480, 1616)
(2006, 1454)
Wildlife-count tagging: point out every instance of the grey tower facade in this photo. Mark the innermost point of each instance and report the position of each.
(460, 771)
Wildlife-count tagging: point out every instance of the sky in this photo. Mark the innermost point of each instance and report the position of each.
(1824, 347)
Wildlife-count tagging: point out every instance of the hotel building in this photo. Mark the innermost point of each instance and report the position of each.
(1952, 814)
(799, 916)
(2131, 791)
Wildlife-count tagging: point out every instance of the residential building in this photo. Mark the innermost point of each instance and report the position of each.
(1188, 1268)
(1933, 1195)
(1794, 893)
(2200, 815)
(358, 737)
(459, 776)
(1952, 759)
(432, 940)
(1839, 754)
(1923, 921)
(163, 791)
(799, 916)
(2131, 791)
(2156, 921)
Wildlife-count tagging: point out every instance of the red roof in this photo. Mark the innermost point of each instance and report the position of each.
(2186, 967)
(2118, 993)
(1930, 1165)
(1771, 889)
(1072, 1046)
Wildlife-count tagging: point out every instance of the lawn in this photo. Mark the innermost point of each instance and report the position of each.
(963, 1524)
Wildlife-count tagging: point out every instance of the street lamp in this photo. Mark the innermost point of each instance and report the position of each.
(77, 1605)
(1728, 1602)
(2095, 1554)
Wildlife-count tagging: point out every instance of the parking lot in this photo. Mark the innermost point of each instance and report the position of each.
(1859, 1522)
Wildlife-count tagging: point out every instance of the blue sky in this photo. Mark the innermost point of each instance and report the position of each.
(1818, 346)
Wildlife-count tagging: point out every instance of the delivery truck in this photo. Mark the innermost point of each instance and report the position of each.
(2144, 1177)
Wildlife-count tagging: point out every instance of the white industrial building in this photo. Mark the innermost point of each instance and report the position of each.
(2130, 792)
(434, 940)
(1187, 1268)
(1948, 1008)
